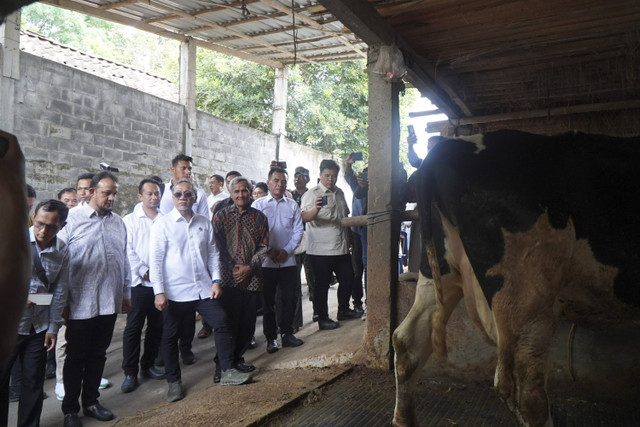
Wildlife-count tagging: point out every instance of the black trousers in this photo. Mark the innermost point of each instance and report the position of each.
(281, 282)
(176, 315)
(142, 308)
(358, 270)
(323, 267)
(241, 307)
(30, 350)
(87, 343)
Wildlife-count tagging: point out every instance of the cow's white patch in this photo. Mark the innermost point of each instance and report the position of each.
(477, 140)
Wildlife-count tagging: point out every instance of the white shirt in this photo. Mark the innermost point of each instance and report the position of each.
(325, 235)
(199, 207)
(285, 227)
(138, 226)
(183, 257)
(211, 199)
(99, 272)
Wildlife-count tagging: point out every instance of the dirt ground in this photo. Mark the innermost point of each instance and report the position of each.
(218, 406)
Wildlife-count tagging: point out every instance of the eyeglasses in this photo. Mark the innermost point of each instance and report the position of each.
(49, 227)
(186, 194)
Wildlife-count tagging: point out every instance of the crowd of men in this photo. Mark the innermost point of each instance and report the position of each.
(177, 254)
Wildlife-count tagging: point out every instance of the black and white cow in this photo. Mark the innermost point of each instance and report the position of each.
(527, 229)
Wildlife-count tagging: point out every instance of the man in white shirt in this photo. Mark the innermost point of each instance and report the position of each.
(279, 268)
(216, 186)
(99, 288)
(323, 208)
(185, 277)
(138, 225)
(40, 321)
(181, 167)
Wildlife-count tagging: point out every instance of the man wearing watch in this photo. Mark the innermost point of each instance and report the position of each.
(185, 277)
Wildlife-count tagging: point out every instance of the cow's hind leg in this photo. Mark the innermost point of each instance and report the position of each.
(412, 342)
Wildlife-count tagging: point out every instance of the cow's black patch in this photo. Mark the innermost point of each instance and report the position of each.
(592, 180)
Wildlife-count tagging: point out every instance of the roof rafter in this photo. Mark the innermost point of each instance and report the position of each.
(366, 23)
(313, 24)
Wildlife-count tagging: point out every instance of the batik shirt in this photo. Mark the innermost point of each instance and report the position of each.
(241, 239)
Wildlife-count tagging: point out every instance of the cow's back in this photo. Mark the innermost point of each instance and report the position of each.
(505, 181)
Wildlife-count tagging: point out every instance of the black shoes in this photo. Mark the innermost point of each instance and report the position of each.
(315, 317)
(217, 375)
(129, 384)
(71, 420)
(153, 373)
(289, 340)
(252, 343)
(98, 412)
(245, 367)
(50, 371)
(272, 346)
(327, 324)
(348, 314)
(189, 359)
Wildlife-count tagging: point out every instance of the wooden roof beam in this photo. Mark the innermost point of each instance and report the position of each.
(535, 114)
(217, 27)
(313, 24)
(361, 18)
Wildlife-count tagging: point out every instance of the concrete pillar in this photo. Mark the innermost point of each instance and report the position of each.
(188, 90)
(384, 194)
(279, 125)
(10, 64)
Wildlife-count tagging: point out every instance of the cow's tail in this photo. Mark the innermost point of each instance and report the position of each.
(427, 210)
(438, 323)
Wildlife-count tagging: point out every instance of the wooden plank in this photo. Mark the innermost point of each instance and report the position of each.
(524, 115)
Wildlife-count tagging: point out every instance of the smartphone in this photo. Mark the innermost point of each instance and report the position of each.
(282, 165)
(357, 156)
(324, 201)
(412, 132)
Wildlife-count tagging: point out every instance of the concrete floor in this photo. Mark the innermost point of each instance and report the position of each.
(321, 348)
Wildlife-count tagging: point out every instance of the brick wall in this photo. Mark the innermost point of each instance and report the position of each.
(68, 121)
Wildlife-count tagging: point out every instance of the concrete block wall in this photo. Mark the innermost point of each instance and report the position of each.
(68, 121)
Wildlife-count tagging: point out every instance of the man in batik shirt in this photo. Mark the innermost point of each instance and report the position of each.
(241, 234)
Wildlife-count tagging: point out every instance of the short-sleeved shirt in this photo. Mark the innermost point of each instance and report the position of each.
(325, 236)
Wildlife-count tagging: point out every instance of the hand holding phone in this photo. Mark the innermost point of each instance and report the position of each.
(357, 156)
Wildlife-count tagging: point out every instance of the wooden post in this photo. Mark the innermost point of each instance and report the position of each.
(188, 89)
(279, 123)
(10, 68)
(384, 194)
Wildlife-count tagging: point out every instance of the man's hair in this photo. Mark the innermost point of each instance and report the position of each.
(262, 186)
(185, 180)
(102, 175)
(88, 175)
(66, 190)
(236, 173)
(31, 192)
(158, 181)
(53, 205)
(180, 158)
(218, 178)
(147, 181)
(238, 180)
(329, 164)
(280, 170)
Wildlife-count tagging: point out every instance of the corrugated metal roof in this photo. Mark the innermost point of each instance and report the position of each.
(272, 32)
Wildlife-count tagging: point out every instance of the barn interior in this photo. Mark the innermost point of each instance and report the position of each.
(541, 66)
